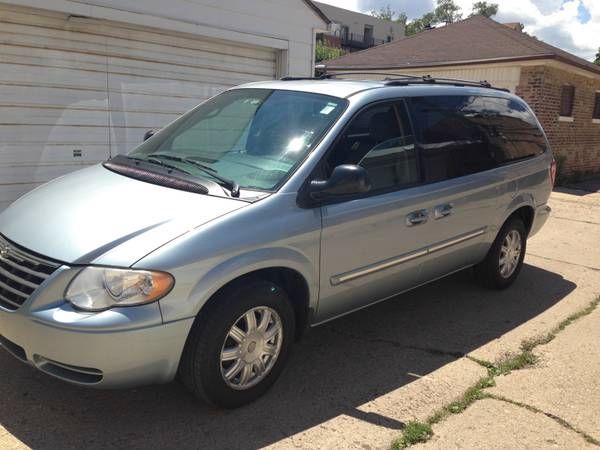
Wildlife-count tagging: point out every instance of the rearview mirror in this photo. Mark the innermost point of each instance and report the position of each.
(148, 134)
(346, 179)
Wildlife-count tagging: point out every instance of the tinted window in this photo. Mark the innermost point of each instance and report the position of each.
(454, 136)
(381, 140)
(514, 132)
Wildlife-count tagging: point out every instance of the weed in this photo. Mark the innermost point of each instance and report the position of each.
(413, 433)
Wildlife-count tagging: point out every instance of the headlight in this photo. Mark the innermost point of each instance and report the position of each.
(100, 288)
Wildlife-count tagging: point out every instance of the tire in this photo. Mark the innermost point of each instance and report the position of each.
(490, 272)
(201, 368)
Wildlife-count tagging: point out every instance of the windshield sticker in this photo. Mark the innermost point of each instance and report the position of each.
(327, 110)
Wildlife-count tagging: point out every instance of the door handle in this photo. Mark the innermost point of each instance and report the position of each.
(417, 218)
(441, 211)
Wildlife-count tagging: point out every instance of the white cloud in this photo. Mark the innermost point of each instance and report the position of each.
(554, 21)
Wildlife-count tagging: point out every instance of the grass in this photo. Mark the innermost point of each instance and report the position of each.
(515, 362)
(413, 433)
(416, 431)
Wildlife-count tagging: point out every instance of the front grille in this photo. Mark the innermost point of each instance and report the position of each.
(20, 274)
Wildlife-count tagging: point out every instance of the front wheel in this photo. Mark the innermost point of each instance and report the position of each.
(237, 347)
(504, 260)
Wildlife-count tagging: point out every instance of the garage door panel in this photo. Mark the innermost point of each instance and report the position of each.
(51, 77)
(51, 116)
(122, 101)
(44, 57)
(37, 37)
(132, 84)
(202, 60)
(41, 96)
(90, 27)
(146, 121)
(159, 70)
(55, 134)
(32, 153)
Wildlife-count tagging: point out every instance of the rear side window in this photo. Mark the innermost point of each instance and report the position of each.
(514, 132)
(454, 136)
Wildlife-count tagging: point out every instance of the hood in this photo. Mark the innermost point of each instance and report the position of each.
(97, 216)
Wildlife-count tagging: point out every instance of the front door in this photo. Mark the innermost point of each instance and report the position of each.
(372, 246)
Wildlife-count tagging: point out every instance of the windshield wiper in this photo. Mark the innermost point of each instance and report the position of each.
(158, 162)
(233, 187)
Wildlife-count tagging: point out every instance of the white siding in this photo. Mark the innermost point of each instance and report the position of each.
(70, 83)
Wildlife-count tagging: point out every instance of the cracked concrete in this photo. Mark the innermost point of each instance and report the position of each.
(355, 382)
(493, 424)
(564, 382)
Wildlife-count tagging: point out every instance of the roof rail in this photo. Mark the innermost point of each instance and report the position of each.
(385, 75)
(331, 76)
(428, 79)
(325, 76)
(401, 79)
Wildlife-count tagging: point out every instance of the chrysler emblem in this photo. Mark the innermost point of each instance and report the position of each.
(3, 250)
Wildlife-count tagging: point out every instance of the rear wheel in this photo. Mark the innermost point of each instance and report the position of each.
(238, 347)
(504, 260)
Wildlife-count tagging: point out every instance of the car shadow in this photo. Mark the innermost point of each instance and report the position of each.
(333, 370)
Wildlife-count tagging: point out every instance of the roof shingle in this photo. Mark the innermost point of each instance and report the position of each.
(473, 40)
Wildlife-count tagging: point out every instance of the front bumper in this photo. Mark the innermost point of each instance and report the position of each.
(114, 349)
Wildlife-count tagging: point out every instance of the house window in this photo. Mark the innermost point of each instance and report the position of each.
(368, 36)
(345, 33)
(596, 114)
(567, 97)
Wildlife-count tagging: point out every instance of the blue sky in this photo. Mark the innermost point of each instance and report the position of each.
(573, 25)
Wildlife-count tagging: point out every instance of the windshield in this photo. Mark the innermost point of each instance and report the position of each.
(252, 138)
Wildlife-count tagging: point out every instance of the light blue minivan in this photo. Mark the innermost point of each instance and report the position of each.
(272, 207)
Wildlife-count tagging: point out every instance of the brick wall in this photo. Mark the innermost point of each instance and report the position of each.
(578, 141)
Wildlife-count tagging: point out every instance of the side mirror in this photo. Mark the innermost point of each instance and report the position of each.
(346, 179)
(148, 134)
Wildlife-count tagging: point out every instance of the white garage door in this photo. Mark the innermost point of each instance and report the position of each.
(74, 91)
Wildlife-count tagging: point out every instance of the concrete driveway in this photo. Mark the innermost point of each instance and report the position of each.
(352, 383)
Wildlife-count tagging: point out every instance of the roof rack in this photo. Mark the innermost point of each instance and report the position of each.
(321, 77)
(404, 79)
(428, 79)
(331, 76)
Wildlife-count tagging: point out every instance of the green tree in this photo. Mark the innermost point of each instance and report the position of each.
(484, 9)
(402, 18)
(385, 13)
(447, 11)
(323, 52)
(418, 25)
(597, 60)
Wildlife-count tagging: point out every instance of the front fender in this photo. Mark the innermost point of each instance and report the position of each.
(219, 275)
(246, 263)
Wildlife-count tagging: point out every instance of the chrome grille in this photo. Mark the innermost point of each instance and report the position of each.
(20, 274)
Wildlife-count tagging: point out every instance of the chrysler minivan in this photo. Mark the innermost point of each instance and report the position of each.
(272, 207)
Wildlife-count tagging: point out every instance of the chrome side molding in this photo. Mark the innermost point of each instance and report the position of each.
(386, 264)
